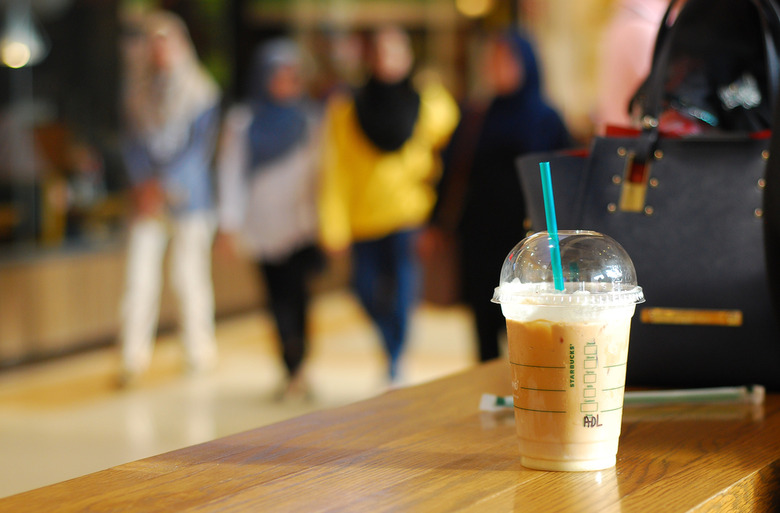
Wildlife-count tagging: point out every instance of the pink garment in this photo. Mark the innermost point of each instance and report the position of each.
(625, 58)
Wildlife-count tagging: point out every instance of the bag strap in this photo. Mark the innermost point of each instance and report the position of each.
(769, 15)
(770, 24)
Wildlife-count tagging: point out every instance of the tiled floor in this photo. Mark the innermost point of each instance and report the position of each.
(65, 418)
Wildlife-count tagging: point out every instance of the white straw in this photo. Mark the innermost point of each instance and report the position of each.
(752, 394)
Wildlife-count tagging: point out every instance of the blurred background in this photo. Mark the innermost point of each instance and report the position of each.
(64, 217)
(62, 184)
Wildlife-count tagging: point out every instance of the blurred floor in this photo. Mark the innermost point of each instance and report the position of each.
(65, 418)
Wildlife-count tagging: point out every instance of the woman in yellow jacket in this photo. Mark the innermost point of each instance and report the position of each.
(380, 168)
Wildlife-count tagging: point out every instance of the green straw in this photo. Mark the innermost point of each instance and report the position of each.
(552, 225)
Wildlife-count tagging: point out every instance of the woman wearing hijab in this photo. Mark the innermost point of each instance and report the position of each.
(380, 168)
(489, 210)
(171, 120)
(268, 182)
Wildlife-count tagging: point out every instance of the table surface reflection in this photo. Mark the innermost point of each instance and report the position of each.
(428, 448)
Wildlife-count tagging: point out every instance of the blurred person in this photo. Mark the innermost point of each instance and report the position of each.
(380, 167)
(625, 58)
(171, 115)
(268, 182)
(338, 58)
(480, 195)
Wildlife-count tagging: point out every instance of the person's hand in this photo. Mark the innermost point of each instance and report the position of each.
(148, 198)
(340, 253)
(226, 244)
(429, 241)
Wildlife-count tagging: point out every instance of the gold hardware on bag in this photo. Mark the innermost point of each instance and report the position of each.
(634, 184)
(649, 122)
(691, 316)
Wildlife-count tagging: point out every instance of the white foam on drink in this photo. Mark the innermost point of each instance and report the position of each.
(580, 302)
(571, 314)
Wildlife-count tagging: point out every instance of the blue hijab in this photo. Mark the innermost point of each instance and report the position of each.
(277, 127)
(522, 121)
(514, 124)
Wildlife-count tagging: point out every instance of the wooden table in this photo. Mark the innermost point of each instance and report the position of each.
(429, 449)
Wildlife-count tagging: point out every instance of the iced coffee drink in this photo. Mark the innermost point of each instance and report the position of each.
(568, 349)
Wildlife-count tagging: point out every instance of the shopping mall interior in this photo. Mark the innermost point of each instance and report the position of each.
(64, 215)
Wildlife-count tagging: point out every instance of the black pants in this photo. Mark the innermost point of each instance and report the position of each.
(481, 261)
(288, 293)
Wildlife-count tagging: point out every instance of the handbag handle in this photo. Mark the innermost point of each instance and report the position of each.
(769, 15)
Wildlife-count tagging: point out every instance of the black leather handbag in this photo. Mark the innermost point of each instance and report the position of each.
(688, 209)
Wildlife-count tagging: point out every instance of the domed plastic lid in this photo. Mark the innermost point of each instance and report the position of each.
(596, 271)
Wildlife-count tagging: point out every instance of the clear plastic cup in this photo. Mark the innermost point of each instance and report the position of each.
(568, 349)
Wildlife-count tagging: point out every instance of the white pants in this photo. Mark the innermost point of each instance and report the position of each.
(190, 273)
